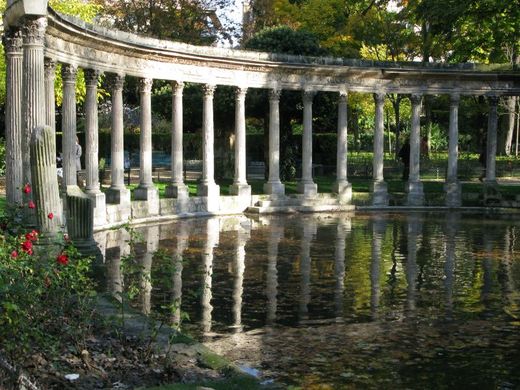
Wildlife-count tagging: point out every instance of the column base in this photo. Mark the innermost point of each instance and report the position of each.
(344, 191)
(453, 193)
(179, 191)
(240, 189)
(118, 196)
(100, 208)
(151, 196)
(212, 192)
(415, 193)
(379, 193)
(275, 188)
(491, 195)
(308, 189)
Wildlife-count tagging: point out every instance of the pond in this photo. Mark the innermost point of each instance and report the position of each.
(365, 300)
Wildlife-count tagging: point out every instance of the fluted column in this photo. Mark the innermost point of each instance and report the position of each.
(414, 187)
(146, 190)
(207, 186)
(68, 125)
(342, 187)
(13, 116)
(307, 186)
(452, 185)
(92, 187)
(33, 90)
(492, 141)
(274, 186)
(378, 186)
(50, 98)
(240, 186)
(177, 188)
(117, 193)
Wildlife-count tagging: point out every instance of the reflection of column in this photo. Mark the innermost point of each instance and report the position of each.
(307, 186)
(309, 230)
(449, 265)
(339, 266)
(276, 233)
(117, 193)
(177, 188)
(240, 186)
(238, 289)
(274, 186)
(113, 272)
(452, 185)
(492, 140)
(378, 230)
(92, 147)
(379, 187)
(12, 41)
(151, 237)
(212, 233)
(414, 229)
(207, 186)
(183, 236)
(487, 269)
(68, 125)
(342, 187)
(506, 277)
(146, 189)
(414, 186)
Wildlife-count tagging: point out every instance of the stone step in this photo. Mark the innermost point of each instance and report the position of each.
(299, 209)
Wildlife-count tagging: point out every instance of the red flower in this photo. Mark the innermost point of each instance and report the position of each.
(62, 259)
(27, 246)
(66, 237)
(14, 254)
(50, 215)
(27, 188)
(32, 236)
(31, 204)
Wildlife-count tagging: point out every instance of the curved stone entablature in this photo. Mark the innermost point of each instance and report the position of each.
(72, 41)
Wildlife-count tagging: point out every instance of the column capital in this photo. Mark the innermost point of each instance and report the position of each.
(177, 87)
(145, 85)
(275, 93)
(493, 100)
(209, 89)
(116, 81)
(379, 97)
(308, 96)
(68, 73)
(34, 31)
(343, 96)
(455, 99)
(92, 77)
(50, 68)
(416, 98)
(13, 41)
(240, 93)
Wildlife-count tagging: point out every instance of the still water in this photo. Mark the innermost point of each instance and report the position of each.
(383, 300)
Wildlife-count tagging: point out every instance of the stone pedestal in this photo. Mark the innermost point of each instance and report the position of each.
(379, 193)
(118, 196)
(453, 193)
(309, 190)
(100, 208)
(415, 194)
(151, 195)
(240, 189)
(177, 190)
(344, 191)
(212, 192)
(276, 188)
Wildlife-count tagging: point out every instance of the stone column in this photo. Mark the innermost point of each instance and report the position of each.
(13, 116)
(414, 187)
(307, 186)
(68, 125)
(50, 98)
(177, 188)
(33, 90)
(378, 186)
(452, 185)
(92, 187)
(207, 186)
(342, 187)
(274, 186)
(492, 141)
(146, 190)
(240, 186)
(117, 193)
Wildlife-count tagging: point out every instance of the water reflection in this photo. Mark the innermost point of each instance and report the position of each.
(328, 294)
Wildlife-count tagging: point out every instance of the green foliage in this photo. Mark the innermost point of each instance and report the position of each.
(2, 157)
